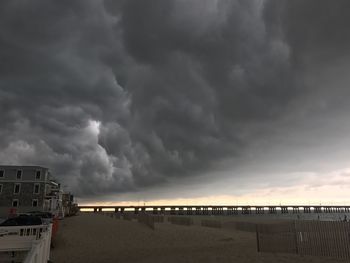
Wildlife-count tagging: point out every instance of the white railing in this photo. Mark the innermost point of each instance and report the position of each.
(35, 239)
(40, 252)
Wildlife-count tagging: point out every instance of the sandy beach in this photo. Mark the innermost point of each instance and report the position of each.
(96, 238)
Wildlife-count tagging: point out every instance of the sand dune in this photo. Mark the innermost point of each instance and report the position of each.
(97, 238)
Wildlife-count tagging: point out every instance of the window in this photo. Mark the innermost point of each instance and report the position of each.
(19, 174)
(15, 203)
(35, 202)
(0, 188)
(17, 189)
(36, 188)
(2, 173)
(38, 175)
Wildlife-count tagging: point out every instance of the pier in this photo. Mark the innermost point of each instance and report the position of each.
(219, 209)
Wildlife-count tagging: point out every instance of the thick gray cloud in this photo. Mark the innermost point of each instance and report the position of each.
(119, 96)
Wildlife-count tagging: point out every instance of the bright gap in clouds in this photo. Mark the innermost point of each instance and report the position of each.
(94, 127)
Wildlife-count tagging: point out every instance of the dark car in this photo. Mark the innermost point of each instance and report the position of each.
(23, 220)
(41, 214)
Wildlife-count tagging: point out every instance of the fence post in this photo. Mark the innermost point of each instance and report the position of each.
(296, 237)
(257, 238)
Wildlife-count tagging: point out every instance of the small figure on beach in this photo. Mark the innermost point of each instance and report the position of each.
(345, 218)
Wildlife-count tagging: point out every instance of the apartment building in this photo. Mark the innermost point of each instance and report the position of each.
(27, 188)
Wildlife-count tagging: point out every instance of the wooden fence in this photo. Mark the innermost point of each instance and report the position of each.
(245, 226)
(211, 223)
(146, 220)
(158, 218)
(180, 220)
(318, 238)
(240, 226)
(129, 216)
(276, 238)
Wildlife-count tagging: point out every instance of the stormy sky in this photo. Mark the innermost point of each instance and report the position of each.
(171, 99)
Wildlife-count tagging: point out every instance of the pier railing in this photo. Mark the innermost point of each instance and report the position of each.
(221, 209)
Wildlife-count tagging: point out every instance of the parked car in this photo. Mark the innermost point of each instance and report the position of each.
(46, 217)
(41, 214)
(22, 220)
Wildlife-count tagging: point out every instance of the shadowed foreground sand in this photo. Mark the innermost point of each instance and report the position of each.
(97, 238)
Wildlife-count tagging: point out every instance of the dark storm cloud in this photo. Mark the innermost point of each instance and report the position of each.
(54, 85)
(319, 40)
(117, 96)
(201, 78)
(318, 27)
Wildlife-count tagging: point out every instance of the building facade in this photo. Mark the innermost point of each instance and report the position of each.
(27, 188)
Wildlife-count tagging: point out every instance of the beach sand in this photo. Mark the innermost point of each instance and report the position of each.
(97, 238)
